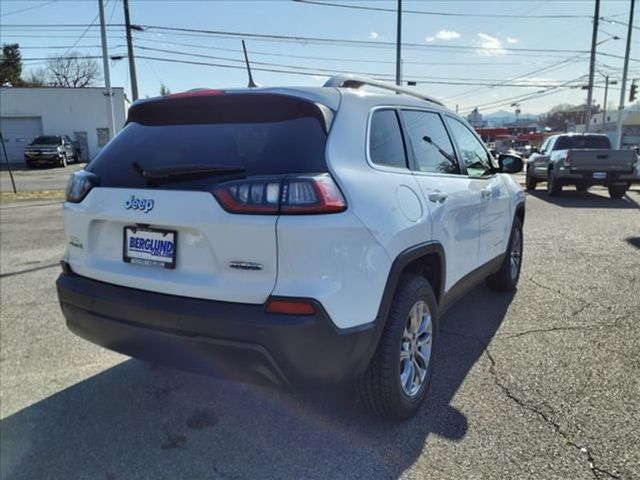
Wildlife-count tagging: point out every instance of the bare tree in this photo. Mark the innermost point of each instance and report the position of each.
(164, 90)
(36, 78)
(72, 70)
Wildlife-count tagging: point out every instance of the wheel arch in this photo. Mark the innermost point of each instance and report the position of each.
(427, 260)
(520, 212)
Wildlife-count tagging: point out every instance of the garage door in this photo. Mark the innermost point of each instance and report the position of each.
(18, 132)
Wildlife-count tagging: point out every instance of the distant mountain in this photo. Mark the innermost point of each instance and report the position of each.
(503, 117)
(499, 114)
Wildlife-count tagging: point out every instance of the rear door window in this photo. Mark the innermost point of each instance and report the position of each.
(262, 134)
(386, 144)
(432, 147)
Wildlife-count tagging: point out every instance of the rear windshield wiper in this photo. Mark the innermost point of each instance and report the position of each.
(177, 173)
(444, 153)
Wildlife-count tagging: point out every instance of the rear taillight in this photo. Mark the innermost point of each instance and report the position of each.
(79, 185)
(304, 194)
(567, 160)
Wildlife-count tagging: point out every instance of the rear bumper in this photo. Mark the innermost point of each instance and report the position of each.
(586, 176)
(229, 340)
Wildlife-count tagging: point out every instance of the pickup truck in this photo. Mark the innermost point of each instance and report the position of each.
(582, 160)
(56, 150)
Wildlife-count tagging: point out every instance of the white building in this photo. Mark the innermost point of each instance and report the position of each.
(630, 125)
(80, 113)
(475, 118)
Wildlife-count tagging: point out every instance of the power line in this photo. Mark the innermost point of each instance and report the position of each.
(29, 8)
(283, 55)
(349, 41)
(522, 98)
(296, 38)
(322, 58)
(83, 33)
(330, 41)
(317, 70)
(608, 19)
(561, 64)
(290, 70)
(432, 13)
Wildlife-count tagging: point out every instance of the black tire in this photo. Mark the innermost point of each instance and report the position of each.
(618, 191)
(505, 279)
(554, 188)
(530, 182)
(379, 387)
(582, 187)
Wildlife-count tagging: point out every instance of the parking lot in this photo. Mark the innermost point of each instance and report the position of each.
(543, 384)
(37, 179)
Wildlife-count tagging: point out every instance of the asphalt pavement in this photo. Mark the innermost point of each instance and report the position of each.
(37, 179)
(543, 384)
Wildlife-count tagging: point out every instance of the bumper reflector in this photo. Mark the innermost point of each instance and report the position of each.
(290, 307)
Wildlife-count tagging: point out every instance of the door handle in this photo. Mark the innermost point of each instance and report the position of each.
(437, 196)
(486, 192)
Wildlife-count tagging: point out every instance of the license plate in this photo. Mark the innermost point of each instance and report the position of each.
(150, 246)
(599, 175)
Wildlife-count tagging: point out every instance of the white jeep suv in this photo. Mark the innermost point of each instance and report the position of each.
(299, 236)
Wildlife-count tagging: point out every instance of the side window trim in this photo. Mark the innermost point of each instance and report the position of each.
(458, 154)
(411, 156)
(407, 151)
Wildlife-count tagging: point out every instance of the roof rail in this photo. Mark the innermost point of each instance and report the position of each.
(355, 81)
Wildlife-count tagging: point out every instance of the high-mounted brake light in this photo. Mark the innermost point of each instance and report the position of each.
(202, 92)
(296, 195)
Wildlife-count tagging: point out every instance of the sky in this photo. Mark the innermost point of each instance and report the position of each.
(486, 54)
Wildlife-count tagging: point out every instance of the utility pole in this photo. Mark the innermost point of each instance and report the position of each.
(105, 66)
(399, 46)
(132, 60)
(604, 107)
(592, 64)
(625, 72)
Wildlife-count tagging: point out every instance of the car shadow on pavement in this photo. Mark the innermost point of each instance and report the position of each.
(575, 199)
(634, 241)
(136, 420)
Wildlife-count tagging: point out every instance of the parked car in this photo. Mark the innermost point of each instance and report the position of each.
(56, 150)
(582, 160)
(299, 236)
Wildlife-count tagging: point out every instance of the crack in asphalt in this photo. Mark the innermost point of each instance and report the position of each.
(567, 295)
(597, 471)
(554, 329)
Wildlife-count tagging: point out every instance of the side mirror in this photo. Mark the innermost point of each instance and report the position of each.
(535, 150)
(510, 163)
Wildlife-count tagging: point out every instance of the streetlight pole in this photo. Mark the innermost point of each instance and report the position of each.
(105, 66)
(399, 46)
(604, 106)
(606, 92)
(624, 78)
(592, 63)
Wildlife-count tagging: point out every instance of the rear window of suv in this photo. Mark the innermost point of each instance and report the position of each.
(582, 141)
(264, 134)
